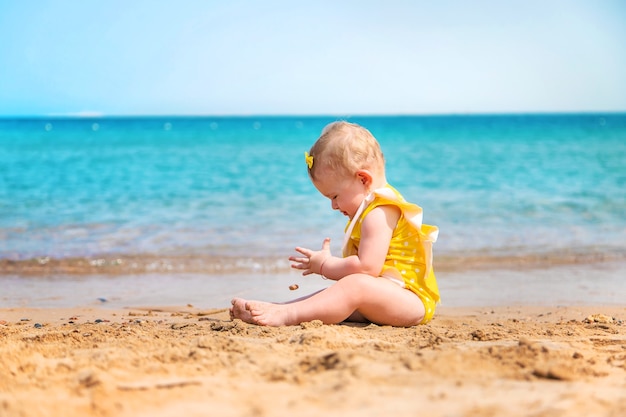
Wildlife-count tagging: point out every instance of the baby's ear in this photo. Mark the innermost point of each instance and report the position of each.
(364, 176)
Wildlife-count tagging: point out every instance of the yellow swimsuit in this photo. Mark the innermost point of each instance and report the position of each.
(409, 259)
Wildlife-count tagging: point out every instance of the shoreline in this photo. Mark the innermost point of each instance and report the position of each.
(183, 360)
(120, 264)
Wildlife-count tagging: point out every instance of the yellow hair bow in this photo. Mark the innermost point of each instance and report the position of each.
(308, 159)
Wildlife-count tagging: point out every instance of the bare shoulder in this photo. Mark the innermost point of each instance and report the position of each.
(387, 215)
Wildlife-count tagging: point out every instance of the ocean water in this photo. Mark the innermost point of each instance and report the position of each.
(234, 190)
(174, 210)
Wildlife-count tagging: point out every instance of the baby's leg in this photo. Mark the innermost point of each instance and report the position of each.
(264, 313)
(376, 299)
(328, 305)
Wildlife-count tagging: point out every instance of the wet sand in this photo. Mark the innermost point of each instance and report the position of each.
(599, 283)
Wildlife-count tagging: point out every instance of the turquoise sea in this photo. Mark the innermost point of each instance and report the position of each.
(233, 192)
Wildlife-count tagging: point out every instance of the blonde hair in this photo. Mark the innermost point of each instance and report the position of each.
(346, 148)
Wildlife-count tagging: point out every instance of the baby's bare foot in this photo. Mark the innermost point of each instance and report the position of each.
(238, 310)
(270, 314)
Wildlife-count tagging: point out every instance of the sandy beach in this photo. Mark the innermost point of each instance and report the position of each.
(149, 361)
(158, 160)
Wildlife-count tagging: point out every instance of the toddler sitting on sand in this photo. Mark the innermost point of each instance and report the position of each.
(385, 275)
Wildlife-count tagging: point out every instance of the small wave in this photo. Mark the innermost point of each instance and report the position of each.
(224, 265)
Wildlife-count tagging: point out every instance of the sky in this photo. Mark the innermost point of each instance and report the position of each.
(273, 57)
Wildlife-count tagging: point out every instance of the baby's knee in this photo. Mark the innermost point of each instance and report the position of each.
(358, 286)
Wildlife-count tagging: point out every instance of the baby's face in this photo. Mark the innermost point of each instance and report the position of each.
(346, 192)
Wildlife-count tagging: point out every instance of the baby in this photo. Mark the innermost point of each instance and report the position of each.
(385, 275)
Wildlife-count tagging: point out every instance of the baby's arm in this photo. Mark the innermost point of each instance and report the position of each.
(376, 231)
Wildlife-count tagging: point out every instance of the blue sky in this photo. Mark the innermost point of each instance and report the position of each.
(311, 57)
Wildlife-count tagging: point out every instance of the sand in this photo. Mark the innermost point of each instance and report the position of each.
(476, 361)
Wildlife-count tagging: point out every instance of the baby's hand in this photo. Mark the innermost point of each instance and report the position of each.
(312, 261)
